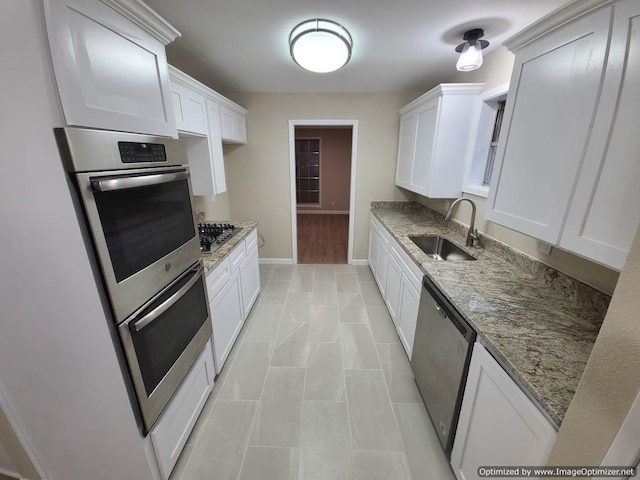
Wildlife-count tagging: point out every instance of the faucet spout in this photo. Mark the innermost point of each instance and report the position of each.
(472, 234)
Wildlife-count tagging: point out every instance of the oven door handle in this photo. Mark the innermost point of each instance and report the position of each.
(122, 183)
(164, 306)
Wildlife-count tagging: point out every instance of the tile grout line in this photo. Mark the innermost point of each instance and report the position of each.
(257, 412)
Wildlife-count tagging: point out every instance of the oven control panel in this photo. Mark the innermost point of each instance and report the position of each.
(133, 152)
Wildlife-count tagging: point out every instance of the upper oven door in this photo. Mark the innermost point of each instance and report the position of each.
(143, 228)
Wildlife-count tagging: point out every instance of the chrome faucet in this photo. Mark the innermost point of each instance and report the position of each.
(473, 232)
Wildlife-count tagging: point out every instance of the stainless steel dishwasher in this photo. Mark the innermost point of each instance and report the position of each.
(440, 360)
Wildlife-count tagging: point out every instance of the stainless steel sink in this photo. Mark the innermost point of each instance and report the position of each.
(440, 248)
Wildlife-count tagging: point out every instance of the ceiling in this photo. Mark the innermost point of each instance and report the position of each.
(399, 46)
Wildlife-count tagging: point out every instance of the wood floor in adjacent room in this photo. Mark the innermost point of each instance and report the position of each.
(323, 239)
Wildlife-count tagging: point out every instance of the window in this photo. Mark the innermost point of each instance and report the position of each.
(308, 171)
(483, 153)
(493, 146)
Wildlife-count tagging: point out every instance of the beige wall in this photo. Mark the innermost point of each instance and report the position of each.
(610, 382)
(258, 174)
(214, 208)
(496, 71)
(335, 167)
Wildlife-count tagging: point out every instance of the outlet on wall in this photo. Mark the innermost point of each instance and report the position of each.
(333, 203)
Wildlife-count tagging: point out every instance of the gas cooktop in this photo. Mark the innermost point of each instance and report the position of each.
(214, 235)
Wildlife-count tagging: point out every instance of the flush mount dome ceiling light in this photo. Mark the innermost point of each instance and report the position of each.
(471, 50)
(320, 45)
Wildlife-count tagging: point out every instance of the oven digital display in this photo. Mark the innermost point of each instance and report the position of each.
(133, 152)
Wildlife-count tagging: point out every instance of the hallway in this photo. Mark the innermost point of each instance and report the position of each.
(323, 239)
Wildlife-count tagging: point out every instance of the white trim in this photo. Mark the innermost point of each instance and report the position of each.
(276, 261)
(146, 18)
(360, 261)
(477, 190)
(625, 448)
(323, 212)
(444, 89)
(292, 178)
(495, 92)
(553, 20)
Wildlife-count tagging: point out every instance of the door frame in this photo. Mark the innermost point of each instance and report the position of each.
(352, 183)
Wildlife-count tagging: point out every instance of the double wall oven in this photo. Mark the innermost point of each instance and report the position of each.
(136, 196)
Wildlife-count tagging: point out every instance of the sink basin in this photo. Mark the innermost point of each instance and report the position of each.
(439, 248)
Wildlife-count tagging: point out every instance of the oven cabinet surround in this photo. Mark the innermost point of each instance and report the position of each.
(566, 169)
(498, 424)
(399, 280)
(174, 426)
(110, 64)
(233, 286)
(199, 114)
(435, 135)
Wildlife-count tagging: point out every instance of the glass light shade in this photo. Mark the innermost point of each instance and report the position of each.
(320, 45)
(470, 58)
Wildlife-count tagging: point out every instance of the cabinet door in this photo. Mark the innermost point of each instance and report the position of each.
(111, 74)
(426, 127)
(408, 314)
(250, 280)
(605, 210)
(226, 123)
(549, 112)
(240, 128)
(393, 283)
(227, 319)
(381, 266)
(215, 141)
(406, 149)
(190, 110)
(172, 430)
(498, 424)
(374, 247)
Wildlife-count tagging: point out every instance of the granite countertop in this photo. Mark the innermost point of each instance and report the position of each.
(540, 326)
(211, 259)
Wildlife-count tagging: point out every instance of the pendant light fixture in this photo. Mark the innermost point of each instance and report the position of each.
(471, 50)
(320, 45)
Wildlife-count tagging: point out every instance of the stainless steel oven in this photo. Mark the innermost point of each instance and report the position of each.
(136, 196)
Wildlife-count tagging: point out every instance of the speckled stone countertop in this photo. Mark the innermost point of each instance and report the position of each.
(538, 323)
(211, 259)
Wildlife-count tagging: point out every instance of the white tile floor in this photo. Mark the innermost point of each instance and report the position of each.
(316, 387)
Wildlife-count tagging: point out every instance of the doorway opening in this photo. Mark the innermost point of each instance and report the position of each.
(323, 166)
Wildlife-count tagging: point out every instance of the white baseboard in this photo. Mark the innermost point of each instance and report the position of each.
(360, 261)
(276, 261)
(322, 212)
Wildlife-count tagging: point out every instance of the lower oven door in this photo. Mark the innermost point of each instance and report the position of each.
(162, 339)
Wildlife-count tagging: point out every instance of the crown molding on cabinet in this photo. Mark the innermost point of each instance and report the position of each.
(185, 80)
(444, 89)
(553, 20)
(143, 16)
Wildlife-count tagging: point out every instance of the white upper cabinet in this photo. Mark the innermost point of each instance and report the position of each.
(605, 211)
(198, 115)
(566, 169)
(110, 65)
(233, 124)
(435, 130)
(190, 110)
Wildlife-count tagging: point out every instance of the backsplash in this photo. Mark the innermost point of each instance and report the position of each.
(568, 286)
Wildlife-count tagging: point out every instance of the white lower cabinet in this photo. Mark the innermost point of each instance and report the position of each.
(250, 280)
(174, 426)
(233, 287)
(227, 318)
(408, 314)
(399, 280)
(499, 424)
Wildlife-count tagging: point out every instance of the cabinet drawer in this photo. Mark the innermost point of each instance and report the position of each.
(251, 241)
(217, 278)
(174, 426)
(237, 256)
(385, 236)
